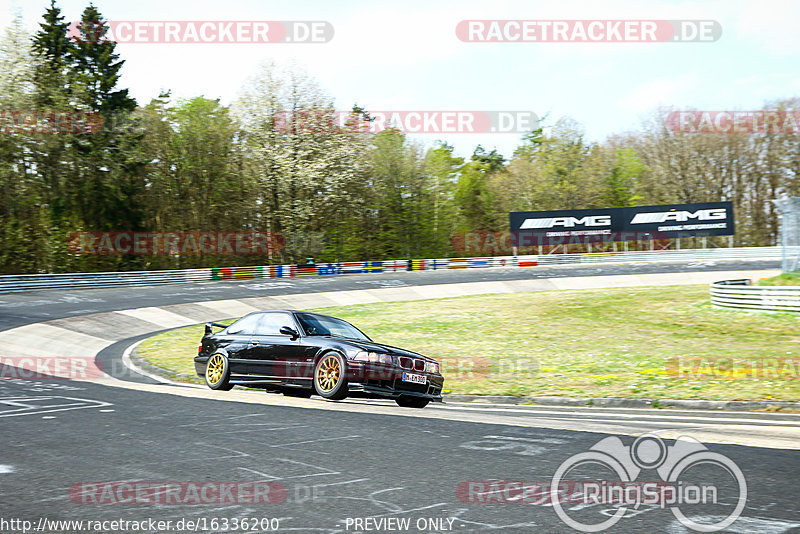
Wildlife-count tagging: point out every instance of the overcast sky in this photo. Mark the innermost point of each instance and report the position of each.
(406, 56)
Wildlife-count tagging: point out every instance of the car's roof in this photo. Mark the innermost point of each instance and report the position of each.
(293, 312)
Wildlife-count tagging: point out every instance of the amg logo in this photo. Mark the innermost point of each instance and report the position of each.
(679, 216)
(566, 222)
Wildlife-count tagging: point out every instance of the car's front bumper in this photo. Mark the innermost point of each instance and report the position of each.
(377, 380)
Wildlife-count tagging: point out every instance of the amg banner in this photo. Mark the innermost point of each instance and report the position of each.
(531, 228)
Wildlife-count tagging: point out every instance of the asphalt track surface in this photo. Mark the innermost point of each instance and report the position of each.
(340, 462)
(23, 308)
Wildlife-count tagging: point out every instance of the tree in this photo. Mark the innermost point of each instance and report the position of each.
(474, 193)
(96, 68)
(442, 168)
(309, 172)
(55, 53)
(108, 181)
(622, 182)
(23, 219)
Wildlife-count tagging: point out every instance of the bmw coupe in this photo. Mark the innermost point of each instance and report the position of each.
(300, 353)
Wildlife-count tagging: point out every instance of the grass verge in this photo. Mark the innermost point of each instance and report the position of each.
(598, 343)
(783, 279)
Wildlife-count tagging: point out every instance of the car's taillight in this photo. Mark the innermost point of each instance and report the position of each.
(199, 348)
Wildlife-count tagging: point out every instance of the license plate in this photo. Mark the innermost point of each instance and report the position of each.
(414, 379)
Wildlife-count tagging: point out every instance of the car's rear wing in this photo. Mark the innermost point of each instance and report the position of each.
(209, 325)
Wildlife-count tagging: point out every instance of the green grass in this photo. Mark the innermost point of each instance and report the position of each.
(783, 279)
(600, 343)
(175, 350)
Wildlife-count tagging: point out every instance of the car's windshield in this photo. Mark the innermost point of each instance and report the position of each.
(318, 325)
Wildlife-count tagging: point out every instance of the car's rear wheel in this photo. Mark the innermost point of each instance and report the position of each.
(218, 372)
(412, 402)
(301, 393)
(329, 377)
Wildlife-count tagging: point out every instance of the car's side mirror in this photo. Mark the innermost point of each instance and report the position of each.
(289, 331)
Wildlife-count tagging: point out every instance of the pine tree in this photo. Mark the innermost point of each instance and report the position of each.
(54, 50)
(96, 67)
(110, 175)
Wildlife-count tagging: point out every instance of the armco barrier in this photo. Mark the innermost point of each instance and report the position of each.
(741, 295)
(34, 282)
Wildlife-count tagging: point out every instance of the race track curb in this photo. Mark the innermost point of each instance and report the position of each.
(606, 402)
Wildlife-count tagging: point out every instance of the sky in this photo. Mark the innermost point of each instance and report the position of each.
(406, 56)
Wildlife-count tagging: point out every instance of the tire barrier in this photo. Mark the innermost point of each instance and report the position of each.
(741, 295)
(36, 282)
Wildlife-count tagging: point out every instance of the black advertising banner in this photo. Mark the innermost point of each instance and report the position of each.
(530, 228)
(682, 220)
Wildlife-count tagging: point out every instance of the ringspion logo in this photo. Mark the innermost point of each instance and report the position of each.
(203, 31)
(588, 31)
(676, 466)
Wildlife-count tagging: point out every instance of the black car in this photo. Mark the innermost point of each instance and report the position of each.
(300, 353)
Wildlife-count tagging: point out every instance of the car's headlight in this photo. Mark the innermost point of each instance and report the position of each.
(374, 357)
(432, 367)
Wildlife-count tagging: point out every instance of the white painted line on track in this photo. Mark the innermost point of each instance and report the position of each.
(599, 409)
(127, 362)
(633, 417)
(78, 404)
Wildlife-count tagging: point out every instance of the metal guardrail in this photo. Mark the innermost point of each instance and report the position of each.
(753, 253)
(39, 282)
(740, 294)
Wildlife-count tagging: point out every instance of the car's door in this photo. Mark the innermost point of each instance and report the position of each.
(236, 341)
(272, 353)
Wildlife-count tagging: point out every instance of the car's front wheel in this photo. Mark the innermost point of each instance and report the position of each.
(218, 372)
(412, 402)
(329, 377)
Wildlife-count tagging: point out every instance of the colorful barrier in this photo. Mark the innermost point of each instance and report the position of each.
(33, 282)
(418, 265)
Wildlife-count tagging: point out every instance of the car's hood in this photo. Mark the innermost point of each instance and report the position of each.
(380, 347)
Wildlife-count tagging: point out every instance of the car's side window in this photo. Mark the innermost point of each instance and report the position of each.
(246, 325)
(271, 323)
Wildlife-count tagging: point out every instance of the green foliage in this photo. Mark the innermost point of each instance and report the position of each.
(475, 197)
(783, 279)
(621, 183)
(278, 160)
(96, 67)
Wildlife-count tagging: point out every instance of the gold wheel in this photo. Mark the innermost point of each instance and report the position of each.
(216, 366)
(329, 372)
(217, 373)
